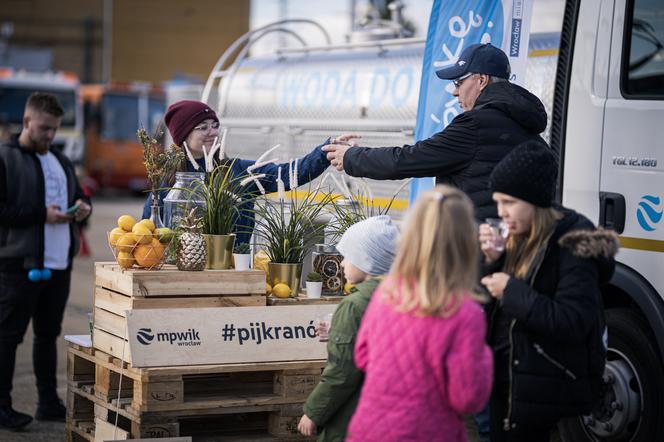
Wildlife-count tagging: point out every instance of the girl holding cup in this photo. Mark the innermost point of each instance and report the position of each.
(547, 322)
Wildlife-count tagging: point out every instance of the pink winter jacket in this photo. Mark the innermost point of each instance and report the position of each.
(422, 373)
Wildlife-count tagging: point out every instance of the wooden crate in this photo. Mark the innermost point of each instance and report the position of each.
(234, 402)
(169, 281)
(119, 290)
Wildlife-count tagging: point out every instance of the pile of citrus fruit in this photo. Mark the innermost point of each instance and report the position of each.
(139, 243)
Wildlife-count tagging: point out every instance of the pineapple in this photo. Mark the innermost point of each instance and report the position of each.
(191, 252)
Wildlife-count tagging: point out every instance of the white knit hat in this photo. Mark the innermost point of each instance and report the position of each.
(370, 245)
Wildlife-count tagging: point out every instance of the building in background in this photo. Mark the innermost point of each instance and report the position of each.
(120, 40)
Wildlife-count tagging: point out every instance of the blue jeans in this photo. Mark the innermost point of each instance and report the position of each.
(482, 420)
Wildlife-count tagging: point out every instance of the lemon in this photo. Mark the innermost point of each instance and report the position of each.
(348, 287)
(147, 223)
(281, 290)
(115, 235)
(142, 234)
(268, 288)
(126, 222)
(126, 243)
(125, 259)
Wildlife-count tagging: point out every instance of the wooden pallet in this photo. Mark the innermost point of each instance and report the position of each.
(191, 389)
(266, 422)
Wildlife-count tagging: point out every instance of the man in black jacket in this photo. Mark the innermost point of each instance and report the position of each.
(498, 115)
(41, 202)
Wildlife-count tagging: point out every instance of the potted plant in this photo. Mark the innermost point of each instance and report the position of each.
(159, 164)
(314, 285)
(222, 197)
(287, 232)
(354, 207)
(242, 256)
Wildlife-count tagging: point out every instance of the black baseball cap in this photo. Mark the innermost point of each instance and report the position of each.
(478, 59)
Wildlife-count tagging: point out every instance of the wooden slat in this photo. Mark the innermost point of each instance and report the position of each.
(200, 302)
(112, 301)
(111, 323)
(105, 431)
(119, 303)
(303, 300)
(146, 374)
(111, 344)
(168, 281)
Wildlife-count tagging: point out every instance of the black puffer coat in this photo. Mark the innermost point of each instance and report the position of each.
(556, 326)
(466, 151)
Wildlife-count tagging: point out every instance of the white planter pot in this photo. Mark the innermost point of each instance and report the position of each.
(314, 289)
(242, 261)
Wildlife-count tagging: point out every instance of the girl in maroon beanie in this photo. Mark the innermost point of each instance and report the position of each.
(196, 124)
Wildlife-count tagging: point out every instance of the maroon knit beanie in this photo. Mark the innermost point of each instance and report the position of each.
(183, 116)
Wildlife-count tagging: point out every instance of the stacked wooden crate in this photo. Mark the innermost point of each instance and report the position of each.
(245, 401)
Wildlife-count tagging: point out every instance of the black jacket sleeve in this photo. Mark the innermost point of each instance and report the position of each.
(566, 316)
(445, 153)
(17, 216)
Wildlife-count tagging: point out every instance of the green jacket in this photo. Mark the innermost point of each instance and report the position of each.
(333, 401)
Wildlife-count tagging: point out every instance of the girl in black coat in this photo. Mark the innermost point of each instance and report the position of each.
(546, 325)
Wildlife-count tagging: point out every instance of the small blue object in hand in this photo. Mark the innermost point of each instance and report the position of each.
(36, 275)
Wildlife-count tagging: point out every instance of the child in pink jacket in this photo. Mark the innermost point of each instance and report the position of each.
(422, 340)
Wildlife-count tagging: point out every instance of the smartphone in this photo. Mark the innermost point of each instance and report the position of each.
(72, 209)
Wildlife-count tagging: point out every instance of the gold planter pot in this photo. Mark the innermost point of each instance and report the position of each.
(219, 251)
(288, 274)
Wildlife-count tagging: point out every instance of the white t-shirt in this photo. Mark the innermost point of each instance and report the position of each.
(56, 236)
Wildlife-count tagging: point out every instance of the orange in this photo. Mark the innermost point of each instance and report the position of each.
(149, 255)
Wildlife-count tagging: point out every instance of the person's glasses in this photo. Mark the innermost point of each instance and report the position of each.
(206, 127)
(458, 81)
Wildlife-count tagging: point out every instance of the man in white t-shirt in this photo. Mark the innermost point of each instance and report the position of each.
(38, 239)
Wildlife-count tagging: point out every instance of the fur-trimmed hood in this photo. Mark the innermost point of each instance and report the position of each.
(578, 234)
(586, 243)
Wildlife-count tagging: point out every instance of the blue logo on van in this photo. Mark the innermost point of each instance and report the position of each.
(649, 212)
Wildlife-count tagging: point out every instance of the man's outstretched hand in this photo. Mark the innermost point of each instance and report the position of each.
(337, 149)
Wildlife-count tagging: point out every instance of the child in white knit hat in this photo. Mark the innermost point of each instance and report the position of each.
(368, 248)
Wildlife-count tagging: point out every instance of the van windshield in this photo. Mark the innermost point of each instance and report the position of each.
(12, 104)
(119, 117)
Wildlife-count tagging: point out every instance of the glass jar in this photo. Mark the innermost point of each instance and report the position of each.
(179, 202)
(327, 262)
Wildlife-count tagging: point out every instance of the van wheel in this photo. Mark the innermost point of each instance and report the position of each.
(632, 403)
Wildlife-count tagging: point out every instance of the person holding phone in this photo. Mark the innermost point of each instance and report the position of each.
(41, 204)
